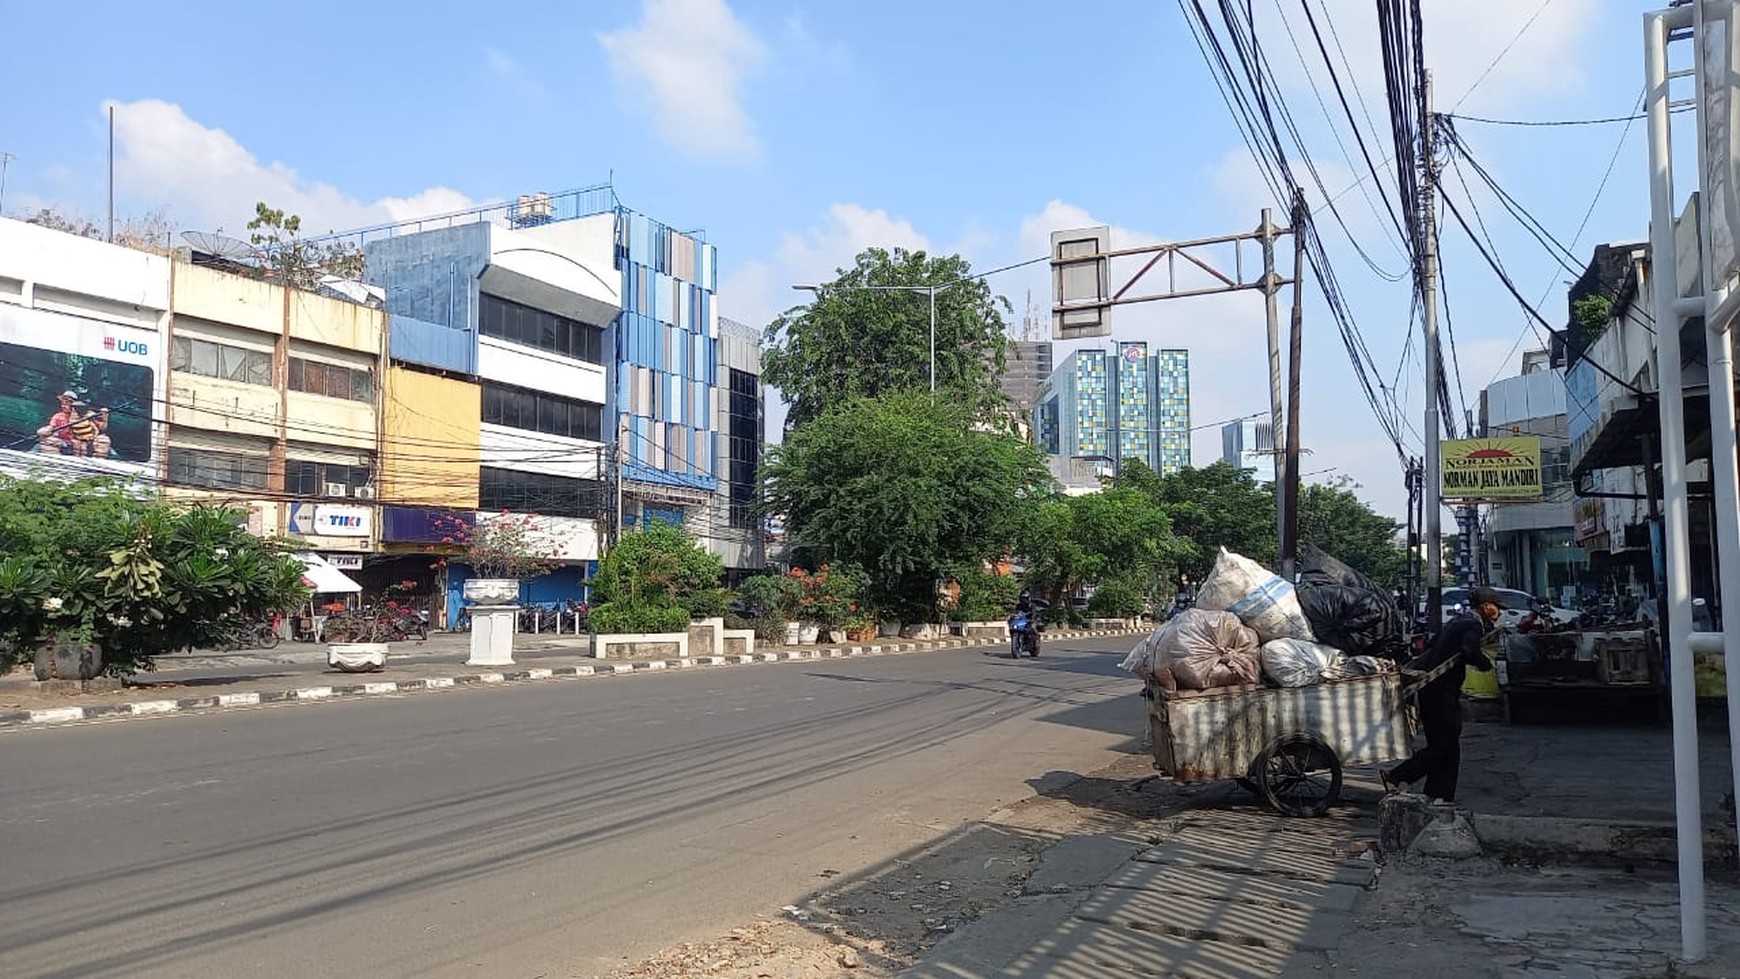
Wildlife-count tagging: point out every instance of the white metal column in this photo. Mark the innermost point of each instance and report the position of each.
(1676, 523)
(1719, 354)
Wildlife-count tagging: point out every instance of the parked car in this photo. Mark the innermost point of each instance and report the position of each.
(1513, 608)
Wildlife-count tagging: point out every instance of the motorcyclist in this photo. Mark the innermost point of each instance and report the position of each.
(1027, 605)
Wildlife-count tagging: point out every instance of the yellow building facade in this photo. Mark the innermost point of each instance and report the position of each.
(273, 404)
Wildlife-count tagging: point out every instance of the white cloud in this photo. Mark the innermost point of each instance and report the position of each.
(1462, 38)
(686, 62)
(757, 291)
(205, 179)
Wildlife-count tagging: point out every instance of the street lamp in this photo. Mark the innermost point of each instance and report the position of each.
(930, 291)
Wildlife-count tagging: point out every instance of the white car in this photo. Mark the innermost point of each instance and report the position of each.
(1514, 606)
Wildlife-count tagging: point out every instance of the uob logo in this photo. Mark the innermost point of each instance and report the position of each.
(126, 346)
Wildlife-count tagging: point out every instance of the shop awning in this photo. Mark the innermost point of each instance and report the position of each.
(320, 575)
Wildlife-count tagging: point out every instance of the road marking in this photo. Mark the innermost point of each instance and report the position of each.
(55, 715)
(439, 681)
(380, 688)
(313, 693)
(238, 699)
(155, 707)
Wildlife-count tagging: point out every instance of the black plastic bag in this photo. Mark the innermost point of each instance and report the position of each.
(1357, 621)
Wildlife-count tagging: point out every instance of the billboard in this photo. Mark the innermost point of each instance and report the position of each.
(1719, 62)
(1492, 469)
(78, 397)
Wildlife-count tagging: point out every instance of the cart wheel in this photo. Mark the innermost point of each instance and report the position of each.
(1299, 775)
(1249, 786)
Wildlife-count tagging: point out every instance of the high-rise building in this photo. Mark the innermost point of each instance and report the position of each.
(1171, 373)
(1086, 431)
(1029, 365)
(1249, 444)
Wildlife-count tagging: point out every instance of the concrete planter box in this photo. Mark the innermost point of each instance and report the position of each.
(737, 642)
(641, 645)
(357, 657)
(888, 628)
(921, 630)
(492, 591)
(980, 630)
(1113, 623)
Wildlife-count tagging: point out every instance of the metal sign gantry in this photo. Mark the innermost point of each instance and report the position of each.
(1083, 297)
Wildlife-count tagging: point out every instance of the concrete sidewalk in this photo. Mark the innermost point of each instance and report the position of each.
(1230, 890)
(299, 673)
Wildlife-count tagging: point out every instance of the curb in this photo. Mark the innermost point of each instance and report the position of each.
(151, 708)
(1555, 839)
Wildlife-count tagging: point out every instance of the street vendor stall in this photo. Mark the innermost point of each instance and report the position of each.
(323, 579)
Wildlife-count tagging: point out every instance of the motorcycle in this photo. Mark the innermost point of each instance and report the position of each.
(1024, 629)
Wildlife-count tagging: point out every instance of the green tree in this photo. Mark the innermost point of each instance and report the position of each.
(295, 260)
(1341, 525)
(906, 487)
(1118, 534)
(853, 342)
(1210, 508)
(93, 561)
(661, 565)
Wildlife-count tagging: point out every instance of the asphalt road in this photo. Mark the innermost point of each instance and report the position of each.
(551, 829)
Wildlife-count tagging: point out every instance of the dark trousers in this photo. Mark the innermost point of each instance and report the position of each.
(1440, 761)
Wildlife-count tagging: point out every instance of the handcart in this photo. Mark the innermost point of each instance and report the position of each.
(1288, 745)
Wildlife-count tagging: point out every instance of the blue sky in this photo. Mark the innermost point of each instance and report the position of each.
(797, 133)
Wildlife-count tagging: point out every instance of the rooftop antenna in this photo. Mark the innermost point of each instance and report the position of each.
(5, 159)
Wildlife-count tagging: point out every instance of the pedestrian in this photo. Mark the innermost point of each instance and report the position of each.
(1457, 648)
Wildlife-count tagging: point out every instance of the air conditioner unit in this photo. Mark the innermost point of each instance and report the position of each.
(365, 493)
(336, 489)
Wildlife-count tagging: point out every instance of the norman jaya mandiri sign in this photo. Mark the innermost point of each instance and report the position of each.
(1492, 469)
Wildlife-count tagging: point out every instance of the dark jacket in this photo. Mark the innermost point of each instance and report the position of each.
(1459, 640)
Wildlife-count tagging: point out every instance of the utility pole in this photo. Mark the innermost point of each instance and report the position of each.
(1271, 290)
(1288, 472)
(1434, 474)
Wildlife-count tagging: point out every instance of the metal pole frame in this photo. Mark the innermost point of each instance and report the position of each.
(1675, 510)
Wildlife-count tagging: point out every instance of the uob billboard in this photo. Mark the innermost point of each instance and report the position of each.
(78, 396)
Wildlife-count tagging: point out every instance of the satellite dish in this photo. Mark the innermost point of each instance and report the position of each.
(221, 246)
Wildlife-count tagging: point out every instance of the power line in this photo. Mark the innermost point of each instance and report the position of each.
(1506, 50)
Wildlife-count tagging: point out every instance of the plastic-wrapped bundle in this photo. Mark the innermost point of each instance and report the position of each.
(1260, 598)
(1200, 649)
(1296, 663)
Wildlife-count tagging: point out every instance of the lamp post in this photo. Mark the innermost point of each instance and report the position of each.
(929, 291)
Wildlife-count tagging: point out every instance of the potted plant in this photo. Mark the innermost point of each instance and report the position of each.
(501, 550)
(828, 597)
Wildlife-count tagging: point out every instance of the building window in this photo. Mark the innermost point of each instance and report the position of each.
(539, 411)
(332, 380)
(526, 492)
(323, 479)
(516, 323)
(743, 441)
(220, 360)
(216, 470)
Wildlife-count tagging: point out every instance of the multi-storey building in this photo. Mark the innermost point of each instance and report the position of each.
(82, 380)
(1088, 433)
(1030, 363)
(210, 383)
(605, 383)
(1171, 397)
(1532, 546)
(272, 405)
(1249, 444)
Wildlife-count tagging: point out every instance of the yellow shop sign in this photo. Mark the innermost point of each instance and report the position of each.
(1492, 469)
